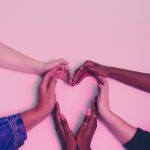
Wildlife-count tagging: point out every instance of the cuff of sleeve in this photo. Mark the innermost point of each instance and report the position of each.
(19, 130)
(135, 140)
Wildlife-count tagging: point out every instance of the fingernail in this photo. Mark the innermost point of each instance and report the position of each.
(89, 112)
(62, 116)
(55, 80)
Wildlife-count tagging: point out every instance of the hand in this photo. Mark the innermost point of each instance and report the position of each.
(53, 64)
(87, 129)
(47, 97)
(89, 68)
(60, 63)
(103, 98)
(65, 134)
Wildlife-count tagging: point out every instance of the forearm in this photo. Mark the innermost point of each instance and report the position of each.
(33, 117)
(13, 60)
(118, 127)
(132, 78)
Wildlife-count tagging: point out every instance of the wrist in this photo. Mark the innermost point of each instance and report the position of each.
(41, 68)
(72, 147)
(83, 148)
(43, 109)
(111, 71)
(104, 113)
(105, 71)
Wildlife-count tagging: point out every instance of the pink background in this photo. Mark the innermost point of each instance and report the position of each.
(111, 32)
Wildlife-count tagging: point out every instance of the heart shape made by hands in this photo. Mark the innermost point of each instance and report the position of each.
(75, 100)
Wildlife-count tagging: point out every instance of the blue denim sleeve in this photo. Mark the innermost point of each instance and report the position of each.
(12, 132)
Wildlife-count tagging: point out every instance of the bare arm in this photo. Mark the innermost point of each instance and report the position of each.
(136, 79)
(122, 130)
(13, 60)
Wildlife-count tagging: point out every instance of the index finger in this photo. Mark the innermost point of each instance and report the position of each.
(76, 76)
(58, 124)
(69, 73)
(93, 106)
(93, 121)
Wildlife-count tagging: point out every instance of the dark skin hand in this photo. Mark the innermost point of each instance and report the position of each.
(86, 130)
(89, 68)
(65, 134)
(135, 79)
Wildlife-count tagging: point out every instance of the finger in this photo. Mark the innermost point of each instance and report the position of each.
(102, 82)
(79, 70)
(76, 76)
(61, 75)
(85, 121)
(83, 75)
(69, 73)
(60, 61)
(91, 128)
(105, 83)
(93, 121)
(45, 80)
(93, 106)
(58, 124)
(101, 79)
(65, 124)
(52, 85)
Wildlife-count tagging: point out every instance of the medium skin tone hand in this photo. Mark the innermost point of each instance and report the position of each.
(86, 130)
(122, 130)
(136, 79)
(47, 99)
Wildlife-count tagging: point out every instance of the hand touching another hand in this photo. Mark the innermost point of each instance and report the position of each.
(46, 103)
(65, 134)
(53, 64)
(103, 98)
(89, 68)
(60, 63)
(87, 129)
(47, 96)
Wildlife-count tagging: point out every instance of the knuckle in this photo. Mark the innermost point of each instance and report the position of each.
(87, 62)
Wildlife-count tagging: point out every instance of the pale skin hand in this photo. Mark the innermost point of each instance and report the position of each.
(136, 79)
(68, 140)
(13, 60)
(122, 130)
(47, 99)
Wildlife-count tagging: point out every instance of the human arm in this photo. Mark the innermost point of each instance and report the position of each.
(122, 130)
(13, 60)
(46, 102)
(136, 79)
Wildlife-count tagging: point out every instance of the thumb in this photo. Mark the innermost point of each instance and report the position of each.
(52, 83)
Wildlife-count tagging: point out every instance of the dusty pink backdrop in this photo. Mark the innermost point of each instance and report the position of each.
(110, 32)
